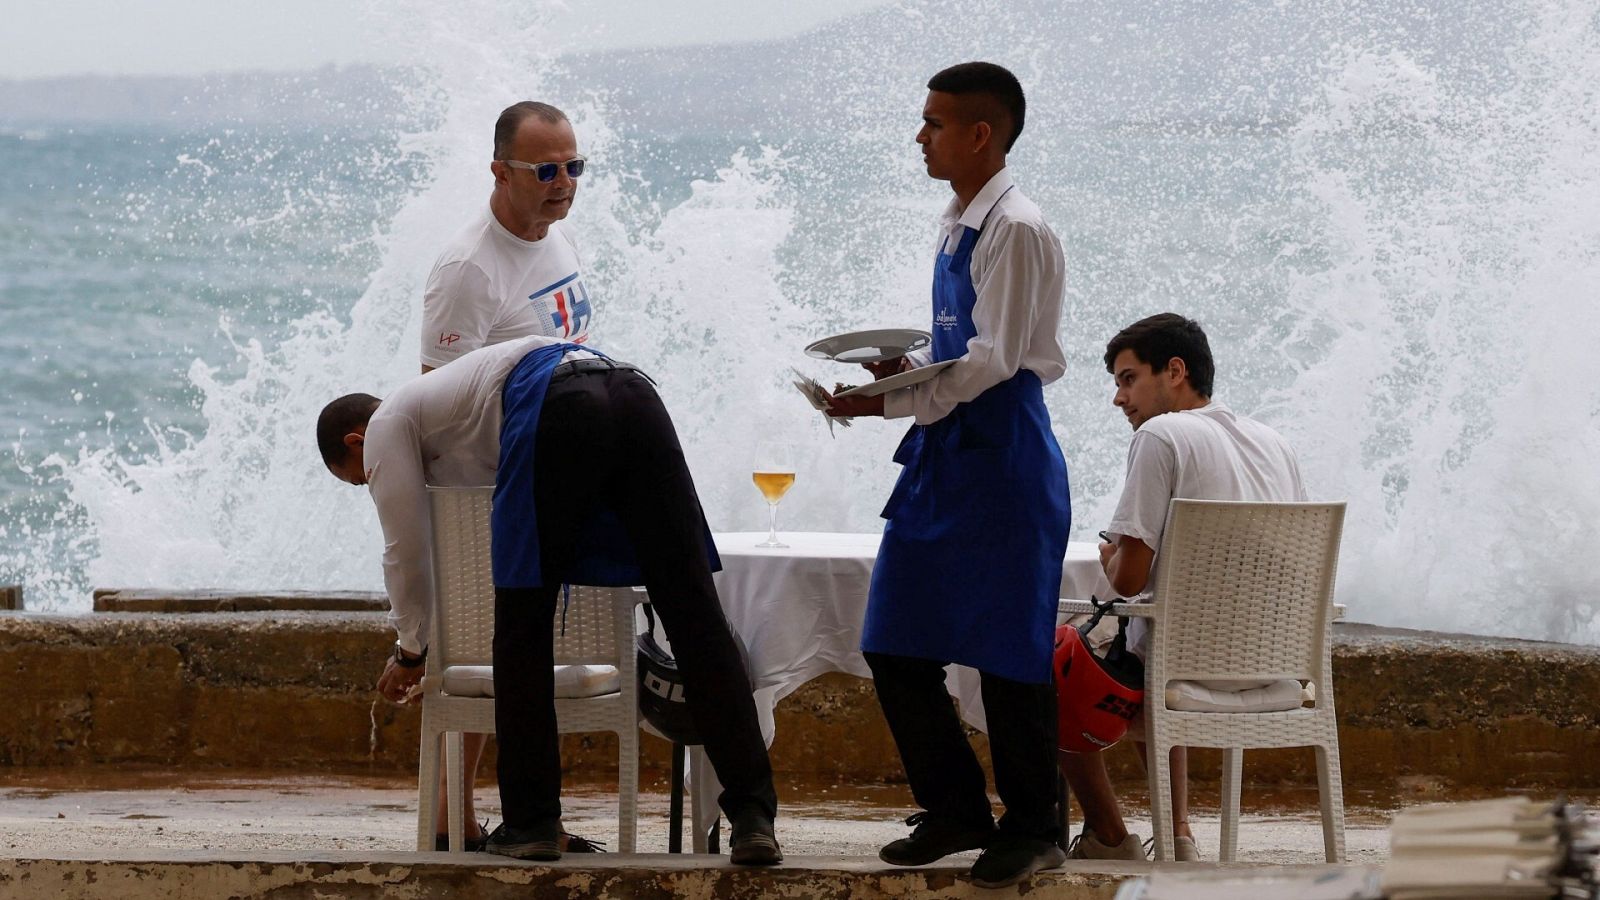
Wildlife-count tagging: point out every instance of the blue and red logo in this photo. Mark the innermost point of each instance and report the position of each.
(569, 307)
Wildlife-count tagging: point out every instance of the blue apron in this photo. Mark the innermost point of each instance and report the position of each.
(605, 555)
(969, 570)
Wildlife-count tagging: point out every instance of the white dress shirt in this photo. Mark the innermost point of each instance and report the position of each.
(1019, 274)
(441, 428)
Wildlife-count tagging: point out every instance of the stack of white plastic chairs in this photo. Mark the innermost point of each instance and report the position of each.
(1506, 848)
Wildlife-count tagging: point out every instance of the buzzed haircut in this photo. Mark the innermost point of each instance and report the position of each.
(512, 117)
(999, 93)
(338, 419)
(1157, 340)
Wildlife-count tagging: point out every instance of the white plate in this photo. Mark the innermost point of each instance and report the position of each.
(876, 345)
(895, 382)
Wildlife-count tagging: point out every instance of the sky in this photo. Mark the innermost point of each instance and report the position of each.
(48, 38)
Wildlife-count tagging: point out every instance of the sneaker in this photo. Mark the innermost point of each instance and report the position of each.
(1087, 846)
(1183, 850)
(932, 839)
(472, 843)
(1010, 860)
(752, 842)
(541, 843)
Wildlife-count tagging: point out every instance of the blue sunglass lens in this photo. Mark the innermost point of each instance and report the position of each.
(547, 171)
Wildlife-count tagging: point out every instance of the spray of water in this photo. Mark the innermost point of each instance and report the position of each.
(1394, 251)
(1455, 404)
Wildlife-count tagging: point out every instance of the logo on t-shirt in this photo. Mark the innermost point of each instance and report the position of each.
(446, 340)
(567, 304)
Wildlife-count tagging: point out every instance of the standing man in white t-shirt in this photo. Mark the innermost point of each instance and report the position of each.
(1185, 446)
(512, 272)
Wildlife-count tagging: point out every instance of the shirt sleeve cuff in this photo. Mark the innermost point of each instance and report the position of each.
(897, 404)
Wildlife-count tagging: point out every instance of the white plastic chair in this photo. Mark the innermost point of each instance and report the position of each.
(457, 689)
(1243, 592)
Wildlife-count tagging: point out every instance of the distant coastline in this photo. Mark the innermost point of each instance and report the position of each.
(325, 96)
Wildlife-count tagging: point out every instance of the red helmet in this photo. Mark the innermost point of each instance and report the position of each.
(1095, 698)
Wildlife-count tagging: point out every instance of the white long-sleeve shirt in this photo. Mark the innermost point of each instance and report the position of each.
(1019, 274)
(443, 429)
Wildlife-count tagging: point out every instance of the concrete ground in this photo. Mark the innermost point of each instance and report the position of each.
(54, 813)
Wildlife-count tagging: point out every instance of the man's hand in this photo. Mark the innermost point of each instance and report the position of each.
(857, 405)
(1127, 565)
(396, 682)
(885, 368)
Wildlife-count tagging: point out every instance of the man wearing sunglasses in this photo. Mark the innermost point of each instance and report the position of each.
(512, 272)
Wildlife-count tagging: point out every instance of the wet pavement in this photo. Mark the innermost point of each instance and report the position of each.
(51, 812)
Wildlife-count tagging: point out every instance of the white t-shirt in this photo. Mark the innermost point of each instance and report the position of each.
(1019, 274)
(1209, 453)
(489, 286)
(441, 428)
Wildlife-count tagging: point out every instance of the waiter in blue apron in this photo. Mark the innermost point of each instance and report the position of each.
(970, 566)
(591, 487)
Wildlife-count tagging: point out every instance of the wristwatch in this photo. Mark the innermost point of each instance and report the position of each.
(408, 662)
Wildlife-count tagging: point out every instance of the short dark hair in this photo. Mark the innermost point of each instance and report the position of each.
(512, 117)
(338, 419)
(997, 86)
(1156, 340)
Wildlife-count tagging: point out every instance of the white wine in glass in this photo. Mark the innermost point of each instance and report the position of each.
(774, 475)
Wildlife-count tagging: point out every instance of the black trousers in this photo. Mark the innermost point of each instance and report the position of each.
(942, 768)
(605, 438)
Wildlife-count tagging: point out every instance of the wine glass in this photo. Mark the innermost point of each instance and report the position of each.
(773, 474)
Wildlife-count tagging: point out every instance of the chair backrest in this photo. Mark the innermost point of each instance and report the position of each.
(463, 579)
(587, 627)
(1244, 590)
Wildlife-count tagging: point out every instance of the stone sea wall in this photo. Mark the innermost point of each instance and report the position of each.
(294, 690)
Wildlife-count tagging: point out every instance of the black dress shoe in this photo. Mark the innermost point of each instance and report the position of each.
(933, 838)
(1010, 860)
(542, 842)
(753, 843)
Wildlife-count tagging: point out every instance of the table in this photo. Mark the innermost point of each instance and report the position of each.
(798, 613)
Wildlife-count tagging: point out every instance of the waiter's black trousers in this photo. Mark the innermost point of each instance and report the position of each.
(605, 439)
(941, 767)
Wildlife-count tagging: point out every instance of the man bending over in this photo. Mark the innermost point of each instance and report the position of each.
(590, 488)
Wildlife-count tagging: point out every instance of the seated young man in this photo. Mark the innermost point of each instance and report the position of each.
(590, 488)
(1186, 446)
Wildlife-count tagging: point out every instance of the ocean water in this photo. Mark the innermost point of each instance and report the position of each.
(1391, 238)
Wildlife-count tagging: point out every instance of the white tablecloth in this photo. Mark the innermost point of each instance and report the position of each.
(798, 612)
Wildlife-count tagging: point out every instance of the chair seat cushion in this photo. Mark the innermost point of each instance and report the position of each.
(1191, 696)
(572, 682)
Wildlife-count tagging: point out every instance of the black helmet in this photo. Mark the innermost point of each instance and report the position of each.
(661, 689)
